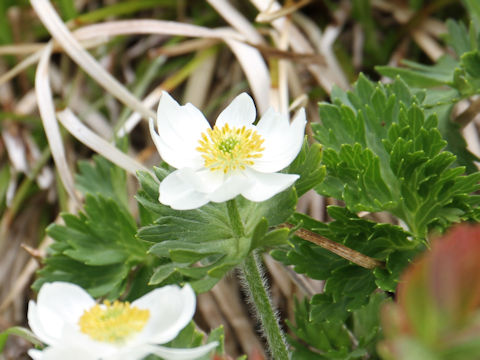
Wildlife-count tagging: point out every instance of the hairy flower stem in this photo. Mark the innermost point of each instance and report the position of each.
(253, 276)
(252, 272)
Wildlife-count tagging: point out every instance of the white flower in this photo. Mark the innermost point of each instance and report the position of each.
(74, 326)
(234, 158)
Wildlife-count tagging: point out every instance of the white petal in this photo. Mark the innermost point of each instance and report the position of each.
(35, 354)
(231, 188)
(185, 122)
(188, 189)
(180, 129)
(183, 354)
(282, 142)
(267, 185)
(180, 195)
(130, 353)
(66, 352)
(68, 300)
(171, 309)
(240, 112)
(271, 121)
(177, 156)
(203, 181)
(73, 338)
(37, 326)
(77, 346)
(58, 304)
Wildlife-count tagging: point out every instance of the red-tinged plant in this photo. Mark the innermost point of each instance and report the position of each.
(437, 314)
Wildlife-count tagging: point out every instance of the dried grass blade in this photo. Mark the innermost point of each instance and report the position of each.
(145, 26)
(93, 118)
(200, 78)
(268, 16)
(96, 143)
(25, 277)
(299, 43)
(184, 47)
(59, 31)
(33, 58)
(22, 65)
(20, 49)
(50, 125)
(237, 20)
(16, 150)
(135, 117)
(255, 70)
(250, 58)
(168, 84)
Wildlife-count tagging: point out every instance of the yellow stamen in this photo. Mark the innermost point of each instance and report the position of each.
(113, 323)
(229, 149)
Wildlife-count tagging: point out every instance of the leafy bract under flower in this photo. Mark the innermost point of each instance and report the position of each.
(74, 326)
(234, 158)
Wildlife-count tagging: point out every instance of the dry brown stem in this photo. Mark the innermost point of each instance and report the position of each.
(341, 250)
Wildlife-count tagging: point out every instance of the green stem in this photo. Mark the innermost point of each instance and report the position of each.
(252, 271)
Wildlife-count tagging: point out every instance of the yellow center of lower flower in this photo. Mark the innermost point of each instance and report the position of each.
(113, 323)
(229, 149)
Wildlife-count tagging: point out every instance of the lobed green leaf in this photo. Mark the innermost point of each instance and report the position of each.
(199, 245)
(98, 248)
(383, 154)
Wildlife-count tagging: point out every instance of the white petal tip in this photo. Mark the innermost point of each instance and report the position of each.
(151, 126)
(300, 116)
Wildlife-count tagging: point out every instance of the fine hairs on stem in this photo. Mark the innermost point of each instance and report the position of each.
(256, 287)
(249, 291)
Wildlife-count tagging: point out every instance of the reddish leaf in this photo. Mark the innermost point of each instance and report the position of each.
(441, 290)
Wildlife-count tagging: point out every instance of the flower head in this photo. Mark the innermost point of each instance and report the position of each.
(74, 326)
(234, 158)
